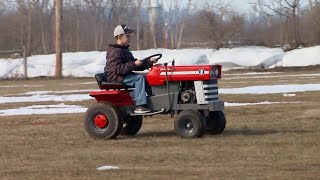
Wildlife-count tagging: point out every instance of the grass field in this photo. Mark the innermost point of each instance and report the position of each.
(276, 141)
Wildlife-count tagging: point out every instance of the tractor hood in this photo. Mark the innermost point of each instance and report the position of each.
(157, 74)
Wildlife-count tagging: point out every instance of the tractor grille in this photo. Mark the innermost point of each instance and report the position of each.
(206, 91)
(210, 89)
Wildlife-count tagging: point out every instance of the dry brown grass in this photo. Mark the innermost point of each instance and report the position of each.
(279, 141)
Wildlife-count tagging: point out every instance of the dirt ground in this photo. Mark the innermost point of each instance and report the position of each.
(276, 141)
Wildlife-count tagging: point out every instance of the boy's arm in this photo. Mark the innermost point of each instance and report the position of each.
(146, 65)
(119, 67)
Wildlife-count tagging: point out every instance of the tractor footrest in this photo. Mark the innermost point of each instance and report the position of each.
(147, 114)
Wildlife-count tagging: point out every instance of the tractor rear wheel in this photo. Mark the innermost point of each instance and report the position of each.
(132, 125)
(103, 121)
(216, 122)
(190, 124)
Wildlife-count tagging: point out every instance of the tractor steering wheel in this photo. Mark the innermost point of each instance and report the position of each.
(155, 55)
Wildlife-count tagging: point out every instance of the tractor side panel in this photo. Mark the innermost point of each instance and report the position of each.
(117, 97)
(161, 98)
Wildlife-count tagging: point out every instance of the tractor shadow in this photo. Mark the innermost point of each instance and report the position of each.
(230, 132)
(157, 134)
(262, 132)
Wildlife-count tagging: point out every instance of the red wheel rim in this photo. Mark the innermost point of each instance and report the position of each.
(101, 121)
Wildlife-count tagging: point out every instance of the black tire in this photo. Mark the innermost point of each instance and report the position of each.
(132, 125)
(216, 122)
(190, 124)
(113, 127)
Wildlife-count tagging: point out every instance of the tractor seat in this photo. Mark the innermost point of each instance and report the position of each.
(103, 84)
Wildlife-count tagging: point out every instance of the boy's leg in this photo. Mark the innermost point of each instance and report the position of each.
(148, 88)
(138, 81)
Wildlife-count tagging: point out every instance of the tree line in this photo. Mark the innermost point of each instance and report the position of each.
(88, 24)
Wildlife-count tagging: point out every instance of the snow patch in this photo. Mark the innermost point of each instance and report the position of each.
(283, 76)
(66, 109)
(56, 92)
(253, 73)
(301, 57)
(289, 95)
(103, 168)
(13, 86)
(93, 82)
(43, 109)
(259, 103)
(86, 64)
(273, 89)
(44, 97)
(36, 93)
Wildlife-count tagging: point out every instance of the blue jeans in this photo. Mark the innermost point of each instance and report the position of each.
(139, 82)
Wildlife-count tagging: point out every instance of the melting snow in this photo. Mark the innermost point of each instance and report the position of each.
(289, 95)
(64, 109)
(43, 109)
(57, 92)
(279, 76)
(72, 84)
(259, 103)
(102, 168)
(273, 89)
(86, 64)
(13, 86)
(36, 93)
(44, 97)
(253, 73)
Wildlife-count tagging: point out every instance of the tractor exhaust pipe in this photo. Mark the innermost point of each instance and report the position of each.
(168, 89)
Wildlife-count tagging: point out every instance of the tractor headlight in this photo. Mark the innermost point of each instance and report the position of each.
(214, 73)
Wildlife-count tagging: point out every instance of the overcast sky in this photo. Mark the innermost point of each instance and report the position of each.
(242, 4)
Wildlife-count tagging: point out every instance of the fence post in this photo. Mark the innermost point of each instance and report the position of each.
(25, 62)
(58, 38)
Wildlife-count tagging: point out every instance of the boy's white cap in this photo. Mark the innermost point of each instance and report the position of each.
(122, 29)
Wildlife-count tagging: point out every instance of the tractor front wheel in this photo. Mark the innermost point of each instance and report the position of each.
(103, 121)
(190, 124)
(216, 122)
(132, 125)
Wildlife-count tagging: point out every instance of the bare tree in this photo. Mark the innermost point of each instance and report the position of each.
(154, 12)
(26, 10)
(2, 7)
(287, 8)
(314, 17)
(182, 25)
(75, 9)
(96, 8)
(177, 17)
(43, 9)
(29, 30)
(89, 24)
(138, 12)
(214, 22)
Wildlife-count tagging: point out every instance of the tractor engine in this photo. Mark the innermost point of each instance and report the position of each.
(188, 87)
(199, 92)
(187, 96)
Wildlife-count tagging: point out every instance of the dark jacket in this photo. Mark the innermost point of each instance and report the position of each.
(120, 63)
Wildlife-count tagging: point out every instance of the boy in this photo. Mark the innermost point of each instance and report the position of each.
(121, 64)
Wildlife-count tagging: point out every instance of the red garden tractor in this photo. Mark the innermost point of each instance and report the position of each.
(188, 92)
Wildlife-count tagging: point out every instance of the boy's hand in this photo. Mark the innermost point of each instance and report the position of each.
(138, 62)
(154, 60)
